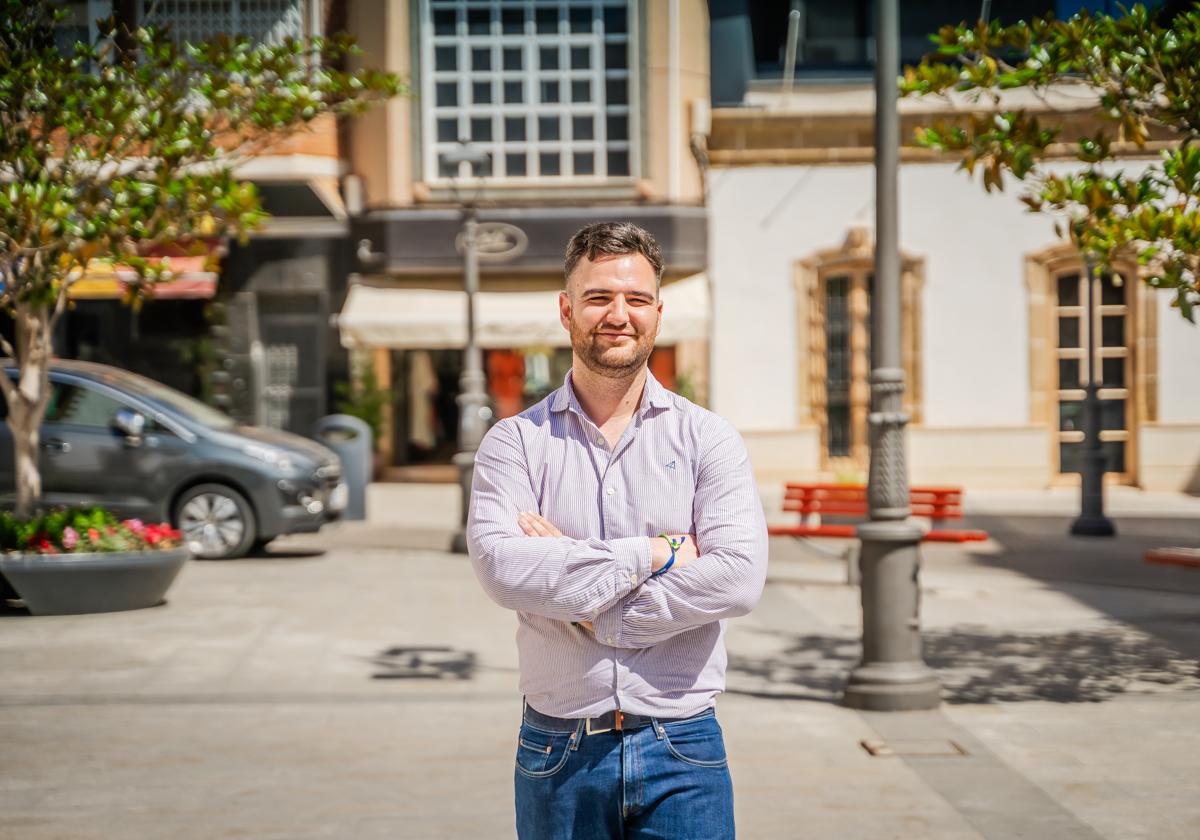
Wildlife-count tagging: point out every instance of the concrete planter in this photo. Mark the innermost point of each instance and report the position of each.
(64, 584)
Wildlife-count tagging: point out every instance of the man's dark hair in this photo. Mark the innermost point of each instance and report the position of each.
(613, 239)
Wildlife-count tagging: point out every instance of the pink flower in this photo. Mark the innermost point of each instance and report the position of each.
(135, 525)
(70, 538)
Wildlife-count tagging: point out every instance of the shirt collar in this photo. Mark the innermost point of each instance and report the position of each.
(654, 395)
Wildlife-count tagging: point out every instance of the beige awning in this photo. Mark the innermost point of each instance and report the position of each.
(431, 319)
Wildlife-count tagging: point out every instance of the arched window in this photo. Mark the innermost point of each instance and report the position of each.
(834, 290)
(1125, 324)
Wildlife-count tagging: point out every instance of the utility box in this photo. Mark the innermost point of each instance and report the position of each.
(350, 438)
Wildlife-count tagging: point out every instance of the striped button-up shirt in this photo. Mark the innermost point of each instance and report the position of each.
(658, 646)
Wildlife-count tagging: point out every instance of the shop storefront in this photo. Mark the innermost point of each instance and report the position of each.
(414, 339)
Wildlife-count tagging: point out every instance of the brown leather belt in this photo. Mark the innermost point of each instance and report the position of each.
(614, 721)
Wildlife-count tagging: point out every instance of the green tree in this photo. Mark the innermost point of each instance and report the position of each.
(1142, 71)
(111, 150)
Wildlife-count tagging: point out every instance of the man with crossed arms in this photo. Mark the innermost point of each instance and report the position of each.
(623, 525)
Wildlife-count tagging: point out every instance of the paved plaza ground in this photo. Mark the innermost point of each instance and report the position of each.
(358, 684)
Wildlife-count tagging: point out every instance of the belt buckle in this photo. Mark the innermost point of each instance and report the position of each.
(620, 720)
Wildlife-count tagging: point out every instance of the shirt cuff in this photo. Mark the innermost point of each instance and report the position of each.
(633, 568)
(633, 562)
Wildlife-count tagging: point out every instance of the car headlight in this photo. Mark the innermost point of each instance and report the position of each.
(269, 455)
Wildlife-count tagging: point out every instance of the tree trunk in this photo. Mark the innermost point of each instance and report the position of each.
(28, 476)
(27, 399)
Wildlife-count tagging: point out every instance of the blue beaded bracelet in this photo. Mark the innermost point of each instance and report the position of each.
(674, 545)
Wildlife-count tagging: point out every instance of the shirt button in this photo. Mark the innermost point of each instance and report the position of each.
(610, 491)
(609, 639)
(633, 579)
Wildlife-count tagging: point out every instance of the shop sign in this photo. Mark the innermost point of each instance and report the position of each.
(498, 241)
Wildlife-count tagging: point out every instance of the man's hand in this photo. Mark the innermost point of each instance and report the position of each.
(537, 526)
(660, 552)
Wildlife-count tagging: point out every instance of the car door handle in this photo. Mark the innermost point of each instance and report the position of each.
(56, 445)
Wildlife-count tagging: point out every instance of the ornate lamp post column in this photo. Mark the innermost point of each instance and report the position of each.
(892, 676)
(1091, 521)
(473, 409)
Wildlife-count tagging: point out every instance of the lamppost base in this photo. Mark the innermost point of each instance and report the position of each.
(892, 687)
(1093, 526)
(892, 676)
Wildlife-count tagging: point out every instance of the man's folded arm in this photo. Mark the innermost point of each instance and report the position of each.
(726, 580)
(556, 577)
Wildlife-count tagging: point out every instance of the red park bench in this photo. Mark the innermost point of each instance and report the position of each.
(812, 501)
(1175, 556)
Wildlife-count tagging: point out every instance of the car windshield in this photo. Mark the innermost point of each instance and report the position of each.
(189, 407)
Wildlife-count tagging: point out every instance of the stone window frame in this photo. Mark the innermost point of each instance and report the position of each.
(855, 257)
(1042, 270)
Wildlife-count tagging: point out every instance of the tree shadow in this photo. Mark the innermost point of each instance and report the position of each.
(978, 665)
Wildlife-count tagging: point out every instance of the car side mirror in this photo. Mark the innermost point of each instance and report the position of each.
(130, 423)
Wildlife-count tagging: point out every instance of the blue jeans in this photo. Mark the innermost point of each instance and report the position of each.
(668, 780)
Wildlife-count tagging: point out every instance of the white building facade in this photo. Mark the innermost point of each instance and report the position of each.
(994, 334)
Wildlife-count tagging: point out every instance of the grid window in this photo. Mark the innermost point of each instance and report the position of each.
(514, 129)
(547, 21)
(512, 21)
(269, 21)
(1109, 323)
(445, 58)
(447, 130)
(515, 164)
(585, 163)
(545, 87)
(481, 129)
(583, 128)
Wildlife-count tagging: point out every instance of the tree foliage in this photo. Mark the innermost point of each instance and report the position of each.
(1141, 71)
(116, 149)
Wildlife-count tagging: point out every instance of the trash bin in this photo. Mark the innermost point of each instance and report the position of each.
(350, 438)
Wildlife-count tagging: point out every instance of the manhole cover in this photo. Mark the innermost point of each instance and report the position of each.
(936, 747)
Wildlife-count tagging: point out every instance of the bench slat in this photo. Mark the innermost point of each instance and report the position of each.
(860, 509)
(850, 500)
(849, 531)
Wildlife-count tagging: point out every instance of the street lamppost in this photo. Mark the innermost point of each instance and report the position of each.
(1091, 521)
(473, 409)
(892, 676)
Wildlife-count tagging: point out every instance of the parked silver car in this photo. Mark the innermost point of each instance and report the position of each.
(144, 450)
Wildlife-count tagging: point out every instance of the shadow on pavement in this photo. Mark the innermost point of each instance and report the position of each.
(1109, 575)
(978, 665)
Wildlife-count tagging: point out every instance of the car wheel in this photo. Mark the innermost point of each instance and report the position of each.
(259, 546)
(216, 521)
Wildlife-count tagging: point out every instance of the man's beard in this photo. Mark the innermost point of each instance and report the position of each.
(616, 361)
